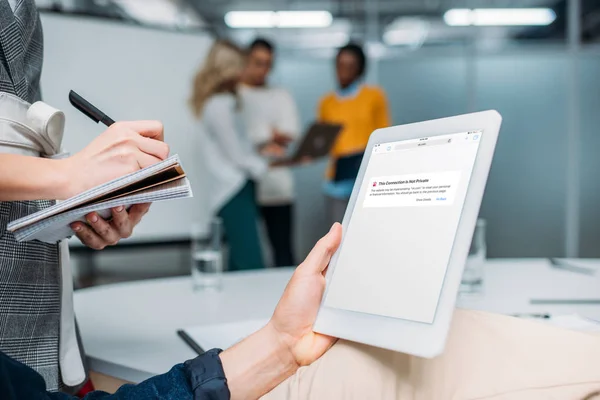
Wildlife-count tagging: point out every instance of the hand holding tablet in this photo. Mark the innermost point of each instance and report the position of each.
(407, 230)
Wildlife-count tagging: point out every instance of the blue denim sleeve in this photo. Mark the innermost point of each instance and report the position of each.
(170, 386)
(207, 378)
(199, 379)
(202, 378)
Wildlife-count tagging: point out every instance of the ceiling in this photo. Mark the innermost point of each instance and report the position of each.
(364, 20)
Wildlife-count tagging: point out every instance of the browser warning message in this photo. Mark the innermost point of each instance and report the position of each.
(427, 189)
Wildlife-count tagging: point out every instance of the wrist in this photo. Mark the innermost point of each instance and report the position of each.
(33, 178)
(283, 346)
(258, 363)
(63, 182)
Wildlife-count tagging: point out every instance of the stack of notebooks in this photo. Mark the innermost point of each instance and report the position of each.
(162, 181)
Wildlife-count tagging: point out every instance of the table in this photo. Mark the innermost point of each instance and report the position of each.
(510, 284)
(128, 329)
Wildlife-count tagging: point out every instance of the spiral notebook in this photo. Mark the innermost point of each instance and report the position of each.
(162, 181)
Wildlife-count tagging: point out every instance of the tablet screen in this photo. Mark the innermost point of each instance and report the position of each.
(397, 246)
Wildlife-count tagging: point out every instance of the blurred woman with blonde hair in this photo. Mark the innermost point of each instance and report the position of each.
(230, 160)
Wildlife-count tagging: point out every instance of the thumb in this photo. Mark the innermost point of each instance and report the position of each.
(319, 257)
(149, 129)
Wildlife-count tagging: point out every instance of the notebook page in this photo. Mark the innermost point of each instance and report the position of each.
(94, 193)
(55, 228)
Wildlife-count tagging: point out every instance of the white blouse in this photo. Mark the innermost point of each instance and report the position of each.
(267, 108)
(228, 157)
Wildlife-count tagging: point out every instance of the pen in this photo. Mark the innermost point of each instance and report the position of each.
(88, 109)
(190, 342)
(541, 316)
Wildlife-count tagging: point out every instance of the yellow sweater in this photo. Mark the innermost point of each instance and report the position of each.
(360, 115)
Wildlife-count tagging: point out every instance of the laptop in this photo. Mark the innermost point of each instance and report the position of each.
(317, 142)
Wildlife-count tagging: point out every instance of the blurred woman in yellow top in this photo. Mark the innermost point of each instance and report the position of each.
(361, 109)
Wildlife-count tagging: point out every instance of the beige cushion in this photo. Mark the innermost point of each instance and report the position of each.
(487, 356)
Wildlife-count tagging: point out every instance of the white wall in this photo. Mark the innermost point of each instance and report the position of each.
(129, 73)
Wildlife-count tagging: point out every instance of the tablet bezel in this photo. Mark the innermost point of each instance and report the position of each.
(417, 338)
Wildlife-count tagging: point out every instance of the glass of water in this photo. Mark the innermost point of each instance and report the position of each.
(472, 279)
(207, 256)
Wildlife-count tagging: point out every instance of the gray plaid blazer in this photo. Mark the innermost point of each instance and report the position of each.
(30, 276)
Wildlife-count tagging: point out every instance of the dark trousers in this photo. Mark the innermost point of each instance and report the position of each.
(278, 220)
(240, 220)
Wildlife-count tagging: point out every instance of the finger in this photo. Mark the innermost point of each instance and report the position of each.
(106, 231)
(152, 147)
(145, 160)
(88, 236)
(136, 212)
(149, 129)
(121, 222)
(319, 257)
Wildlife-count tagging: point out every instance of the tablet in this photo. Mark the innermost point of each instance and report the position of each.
(317, 142)
(407, 230)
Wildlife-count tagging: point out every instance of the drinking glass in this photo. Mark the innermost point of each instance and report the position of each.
(472, 279)
(207, 256)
